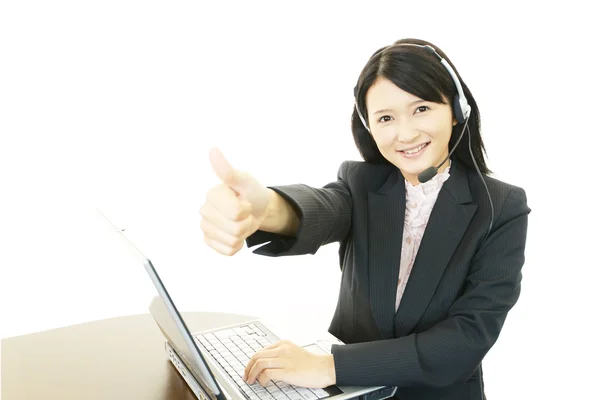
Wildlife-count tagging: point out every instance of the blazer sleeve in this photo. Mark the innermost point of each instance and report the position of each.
(450, 351)
(325, 217)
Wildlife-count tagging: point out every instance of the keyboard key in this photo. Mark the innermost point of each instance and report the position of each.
(260, 390)
(295, 396)
(237, 366)
(257, 330)
(263, 342)
(224, 334)
(240, 330)
(272, 388)
(307, 394)
(320, 393)
(244, 360)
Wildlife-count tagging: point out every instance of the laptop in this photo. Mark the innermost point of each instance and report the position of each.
(212, 362)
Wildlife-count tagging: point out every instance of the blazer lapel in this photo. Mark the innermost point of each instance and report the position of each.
(447, 224)
(385, 226)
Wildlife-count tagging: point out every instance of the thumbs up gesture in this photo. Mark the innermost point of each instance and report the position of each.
(234, 209)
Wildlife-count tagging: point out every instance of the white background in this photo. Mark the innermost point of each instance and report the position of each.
(115, 104)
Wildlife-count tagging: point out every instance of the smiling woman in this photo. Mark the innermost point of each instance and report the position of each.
(410, 132)
(429, 270)
(404, 92)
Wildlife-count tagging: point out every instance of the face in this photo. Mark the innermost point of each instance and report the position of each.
(411, 133)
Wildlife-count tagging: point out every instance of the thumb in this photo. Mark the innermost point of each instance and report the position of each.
(244, 184)
(226, 173)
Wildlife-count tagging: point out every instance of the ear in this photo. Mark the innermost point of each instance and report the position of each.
(454, 121)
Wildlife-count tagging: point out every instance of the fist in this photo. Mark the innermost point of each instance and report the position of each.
(234, 209)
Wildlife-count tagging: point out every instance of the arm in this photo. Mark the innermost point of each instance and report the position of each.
(452, 349)
(323, 216)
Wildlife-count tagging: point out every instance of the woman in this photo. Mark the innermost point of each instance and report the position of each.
(429, 270)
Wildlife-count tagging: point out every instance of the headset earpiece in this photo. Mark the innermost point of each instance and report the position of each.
(458, 111)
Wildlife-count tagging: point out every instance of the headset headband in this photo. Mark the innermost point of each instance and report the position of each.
(462, 109)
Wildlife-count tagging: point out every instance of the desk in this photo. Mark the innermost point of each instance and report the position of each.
(117, 358)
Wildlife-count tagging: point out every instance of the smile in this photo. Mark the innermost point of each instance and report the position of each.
(414, 152)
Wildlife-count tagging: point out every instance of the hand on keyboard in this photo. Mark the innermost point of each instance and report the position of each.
(232, 348)
(284, 361)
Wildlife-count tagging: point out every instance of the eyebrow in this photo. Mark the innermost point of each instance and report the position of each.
(389, 109)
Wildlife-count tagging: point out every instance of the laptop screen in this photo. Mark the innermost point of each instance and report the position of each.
(173, 326)
(177, 333)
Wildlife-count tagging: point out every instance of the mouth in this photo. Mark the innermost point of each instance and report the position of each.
(414, 151)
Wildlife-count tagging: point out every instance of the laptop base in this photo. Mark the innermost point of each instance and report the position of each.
(185, 373)
(380, 394)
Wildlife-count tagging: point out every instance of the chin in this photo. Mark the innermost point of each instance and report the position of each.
(413, 167)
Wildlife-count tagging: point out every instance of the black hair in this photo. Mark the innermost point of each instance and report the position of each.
(417, 71)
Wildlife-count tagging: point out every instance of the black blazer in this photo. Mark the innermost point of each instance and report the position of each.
(457, 296)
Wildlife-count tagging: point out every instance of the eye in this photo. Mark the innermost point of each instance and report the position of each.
(385, 118)
(421, 109)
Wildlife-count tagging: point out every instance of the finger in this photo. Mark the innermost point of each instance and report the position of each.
(257, 356)
(261, 365)
(237, 229)
(230, 176)
(275, 374)
(277, 344)
(222, 248)
(225, 200)
(214, 233)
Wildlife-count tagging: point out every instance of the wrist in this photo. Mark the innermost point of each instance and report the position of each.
(330, 363)
(280, 216)
(267, 223)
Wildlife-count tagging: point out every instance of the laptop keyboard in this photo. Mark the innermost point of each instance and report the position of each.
(233, 348)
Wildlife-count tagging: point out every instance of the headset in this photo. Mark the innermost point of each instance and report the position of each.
(462, 111)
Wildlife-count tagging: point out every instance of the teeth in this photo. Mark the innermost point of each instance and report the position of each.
(415, 150)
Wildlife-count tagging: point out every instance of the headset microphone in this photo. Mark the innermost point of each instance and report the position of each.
(432, 171)
(429, 173)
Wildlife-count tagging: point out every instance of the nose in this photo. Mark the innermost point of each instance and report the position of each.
(405, 133)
